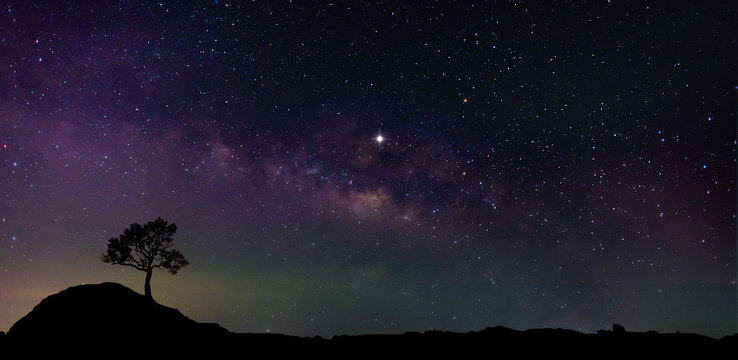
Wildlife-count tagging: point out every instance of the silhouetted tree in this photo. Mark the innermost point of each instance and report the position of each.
(146, 248)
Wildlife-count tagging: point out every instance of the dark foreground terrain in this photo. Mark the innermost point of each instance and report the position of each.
(111, 320)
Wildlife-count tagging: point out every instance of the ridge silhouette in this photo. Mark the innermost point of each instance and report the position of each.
(106, 310)
(90, 319)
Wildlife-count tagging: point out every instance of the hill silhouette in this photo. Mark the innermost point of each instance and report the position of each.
(106, 312)
(88, 319)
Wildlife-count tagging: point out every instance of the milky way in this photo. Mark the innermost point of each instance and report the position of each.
(555, 165)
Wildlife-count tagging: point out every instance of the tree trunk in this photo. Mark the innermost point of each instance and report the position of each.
(147, 285)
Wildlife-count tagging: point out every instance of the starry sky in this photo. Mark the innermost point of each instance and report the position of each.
(541, 164)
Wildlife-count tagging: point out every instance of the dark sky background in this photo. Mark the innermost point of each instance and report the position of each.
(543, 164)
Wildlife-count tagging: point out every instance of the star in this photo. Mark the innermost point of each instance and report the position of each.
(379, 139)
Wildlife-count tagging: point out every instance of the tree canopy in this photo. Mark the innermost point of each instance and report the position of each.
(146, 248)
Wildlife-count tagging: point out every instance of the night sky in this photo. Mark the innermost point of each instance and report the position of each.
(541, 164)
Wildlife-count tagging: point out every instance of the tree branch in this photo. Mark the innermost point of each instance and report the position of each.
(133, 266)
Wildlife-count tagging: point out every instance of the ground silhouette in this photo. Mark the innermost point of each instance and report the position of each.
(114, 320)
(102, 310)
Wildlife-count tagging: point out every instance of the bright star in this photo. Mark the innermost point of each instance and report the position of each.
(379, 139)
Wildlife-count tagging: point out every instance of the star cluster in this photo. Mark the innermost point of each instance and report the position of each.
(360, 167)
